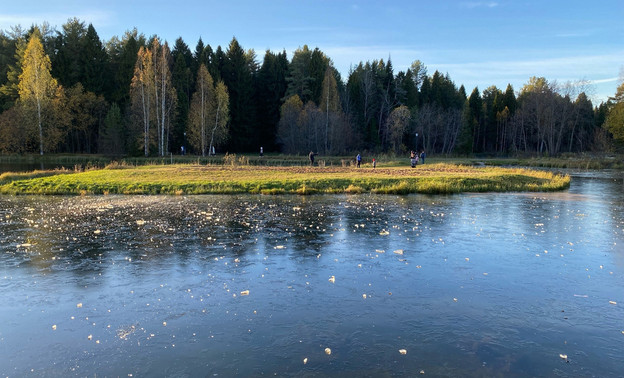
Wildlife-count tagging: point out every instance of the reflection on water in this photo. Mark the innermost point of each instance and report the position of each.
(468, 285)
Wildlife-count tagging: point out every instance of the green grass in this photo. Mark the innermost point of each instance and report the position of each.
(200, 179)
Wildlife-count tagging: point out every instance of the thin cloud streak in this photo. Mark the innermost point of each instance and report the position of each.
(479, 4)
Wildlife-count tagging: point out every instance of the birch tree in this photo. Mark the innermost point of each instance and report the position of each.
(202, 111)
(330, 104)
(164, 93)
(220, 131)
(36, 85)
(142, 93)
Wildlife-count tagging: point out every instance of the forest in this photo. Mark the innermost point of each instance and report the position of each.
(67, 91)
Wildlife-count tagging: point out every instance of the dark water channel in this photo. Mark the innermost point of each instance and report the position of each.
(477, 285)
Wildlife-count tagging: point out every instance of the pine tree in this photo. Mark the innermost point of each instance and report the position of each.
(67, 61)
(238, 78)
(94, 62)
(270, 90)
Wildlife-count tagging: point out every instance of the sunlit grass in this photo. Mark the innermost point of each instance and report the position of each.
(200, 179)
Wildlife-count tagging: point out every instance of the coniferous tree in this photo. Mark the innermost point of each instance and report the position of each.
(615, 120)
(271, 88)
(112, 139)
(94, 62)
(67, 61)
(238, 78)
(123, 57)
(15, 45)
(182, 80)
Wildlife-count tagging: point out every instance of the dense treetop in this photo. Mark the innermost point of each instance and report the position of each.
(68, 91)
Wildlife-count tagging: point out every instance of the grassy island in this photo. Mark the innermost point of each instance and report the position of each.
(181, 179)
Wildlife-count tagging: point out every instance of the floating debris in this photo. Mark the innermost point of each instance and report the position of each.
(140, 222)
(467, 259)
(165, 324)
(245, 292)
(79, 305)
(364, 296)
(563, 357)
(279, 247)
(613, 302)
(305, 360)
(89, 337)
(403, 351)
(399, 251)
(54, 327)
(384, 233)
(422, 372)
(327, 351)
(97, 232)
(332, 279)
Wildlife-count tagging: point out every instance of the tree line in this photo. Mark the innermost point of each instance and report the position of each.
(68, 91)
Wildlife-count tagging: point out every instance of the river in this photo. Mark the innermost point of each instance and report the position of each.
(494, 284)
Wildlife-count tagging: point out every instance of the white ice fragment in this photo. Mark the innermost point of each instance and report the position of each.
(403, 351)
(327, 351)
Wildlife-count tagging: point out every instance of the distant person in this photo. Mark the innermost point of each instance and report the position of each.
(422, 156)
(261, 152)
(311, 157)
(182, 150)
(358, 160)
(413, 158)
(374, 163)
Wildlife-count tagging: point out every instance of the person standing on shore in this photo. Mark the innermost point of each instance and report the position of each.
(422, 156)
(311, 157)
(358, 160)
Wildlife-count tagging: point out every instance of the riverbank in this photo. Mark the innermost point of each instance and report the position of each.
(88, 161)
(181, 179)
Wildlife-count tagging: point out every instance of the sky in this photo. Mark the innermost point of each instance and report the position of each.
(477, 43)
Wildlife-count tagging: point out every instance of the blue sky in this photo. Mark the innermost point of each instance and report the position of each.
(478, 43)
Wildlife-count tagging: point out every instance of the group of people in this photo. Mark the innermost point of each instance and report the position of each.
(414, 157)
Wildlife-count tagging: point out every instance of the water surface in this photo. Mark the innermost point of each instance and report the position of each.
(468, 285)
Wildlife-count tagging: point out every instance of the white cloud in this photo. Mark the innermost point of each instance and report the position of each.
(479, 4)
